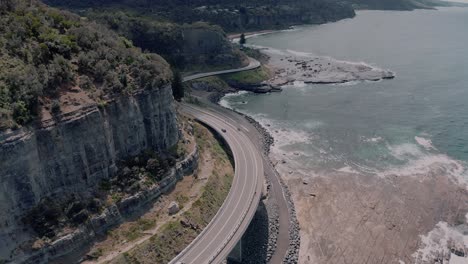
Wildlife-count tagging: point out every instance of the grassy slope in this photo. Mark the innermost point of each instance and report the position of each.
(247, 77)
(175, 236)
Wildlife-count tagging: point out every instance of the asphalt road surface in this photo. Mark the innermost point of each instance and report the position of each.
(217, 240)
(276, 191)
(253, 64)
(255, 140)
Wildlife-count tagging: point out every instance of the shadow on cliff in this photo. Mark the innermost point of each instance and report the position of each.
(221, 141)
(255, 239)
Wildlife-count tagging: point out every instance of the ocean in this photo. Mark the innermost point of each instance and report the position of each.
(376, 169)
(404, 124)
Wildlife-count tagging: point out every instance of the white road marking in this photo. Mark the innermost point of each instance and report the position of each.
(241, 140)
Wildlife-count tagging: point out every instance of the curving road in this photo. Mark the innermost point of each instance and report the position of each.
(227, 227)
(276, 193)
(253, 64)
(217, 240)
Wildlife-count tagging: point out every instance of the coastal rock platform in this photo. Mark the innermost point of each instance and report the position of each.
(290, 67)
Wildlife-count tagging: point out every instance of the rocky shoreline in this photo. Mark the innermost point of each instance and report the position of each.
(292, 254)
(290, 67)
(335, 188)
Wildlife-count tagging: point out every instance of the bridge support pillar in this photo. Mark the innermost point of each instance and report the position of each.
(236, 254)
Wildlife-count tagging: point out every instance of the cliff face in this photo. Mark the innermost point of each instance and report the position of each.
(396, 4)
(204, 46)
(275, 16)
(232, 16)
(74, 154)
(69, 248)
(196, 46)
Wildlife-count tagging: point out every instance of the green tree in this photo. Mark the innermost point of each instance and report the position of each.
(242, 39)
(7, 5)
(21, 113)
(177, 86)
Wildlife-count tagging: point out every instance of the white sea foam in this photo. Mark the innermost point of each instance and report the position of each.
(348, 169)
(299, 84)
(285, 148)
(426, 143)
(439, 164)
(373, 139)
(311, 124)
(437, 242)
(225, 100)
(283, 136)
(270, 50)
(356, 63)
(373, 81)
(418, 159)
(418, 162)
(300, 53)
(350, 83)
(405, 151)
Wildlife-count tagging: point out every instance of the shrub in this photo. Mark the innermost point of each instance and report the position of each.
(112, 82)
(44, 50)
(21, 113)
(55, 108)
(85, 83)
(177, 86)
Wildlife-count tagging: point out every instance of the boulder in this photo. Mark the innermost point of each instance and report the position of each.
(173, 208)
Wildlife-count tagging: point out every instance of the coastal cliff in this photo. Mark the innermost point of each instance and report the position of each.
(274, 15)
(73, 153)
(208, 45)
(196, 46)
(231, 16)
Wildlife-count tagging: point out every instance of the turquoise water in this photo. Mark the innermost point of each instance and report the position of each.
(415, 122)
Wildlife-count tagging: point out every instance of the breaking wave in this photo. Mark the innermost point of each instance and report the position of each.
(298, 149)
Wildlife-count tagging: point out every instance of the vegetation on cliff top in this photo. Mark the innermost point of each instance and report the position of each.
(397, 4)
(232, 16)
(242, 15)
(197, 46)
(45, 51)
(149, 33)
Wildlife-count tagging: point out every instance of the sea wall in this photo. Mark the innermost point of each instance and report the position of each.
(73, 153)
